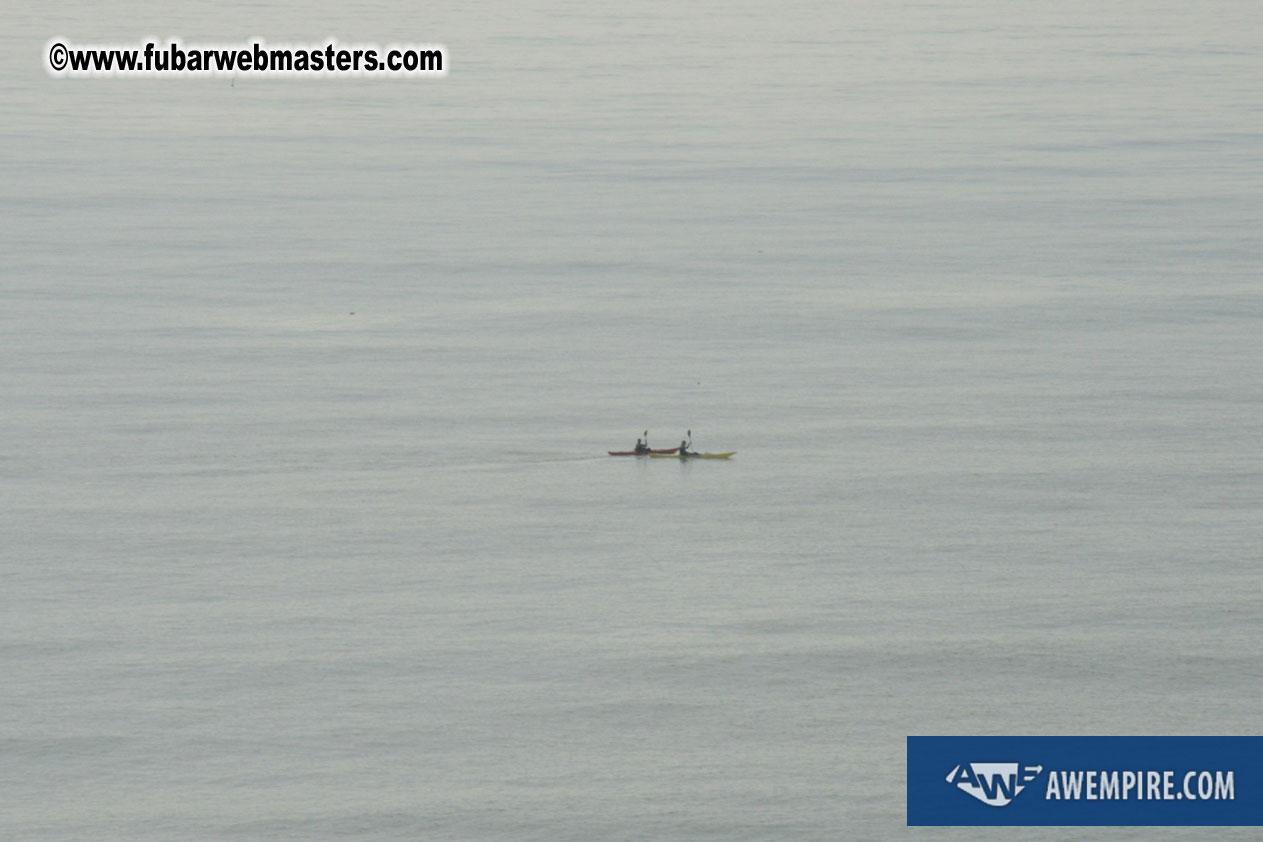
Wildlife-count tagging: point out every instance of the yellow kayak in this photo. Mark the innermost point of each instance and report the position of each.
(692, 455)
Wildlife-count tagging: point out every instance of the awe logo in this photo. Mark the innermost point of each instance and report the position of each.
(995, 784)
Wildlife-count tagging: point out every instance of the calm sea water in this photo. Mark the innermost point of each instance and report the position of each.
(308, 530)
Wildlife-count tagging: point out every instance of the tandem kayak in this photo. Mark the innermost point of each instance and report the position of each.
(667, 452)
(692, 455)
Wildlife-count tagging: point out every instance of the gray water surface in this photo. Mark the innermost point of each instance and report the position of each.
(306, 386)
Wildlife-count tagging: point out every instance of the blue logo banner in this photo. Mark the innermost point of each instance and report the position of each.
(1134, 781)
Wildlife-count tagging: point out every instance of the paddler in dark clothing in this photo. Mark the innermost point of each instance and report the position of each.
(643, 446)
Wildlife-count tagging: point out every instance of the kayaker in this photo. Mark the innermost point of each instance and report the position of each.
(642, 446)
(684, 449)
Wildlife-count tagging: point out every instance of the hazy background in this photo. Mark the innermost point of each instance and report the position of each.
(306, 527)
